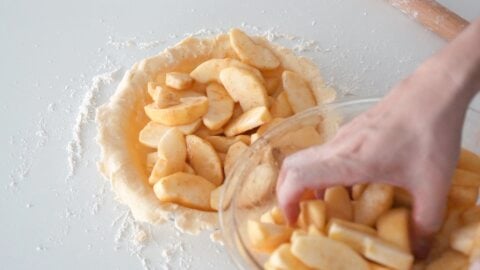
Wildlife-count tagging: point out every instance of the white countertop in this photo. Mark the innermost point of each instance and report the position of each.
(49, 54)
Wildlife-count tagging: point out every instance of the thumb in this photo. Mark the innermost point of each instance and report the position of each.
(428, 215)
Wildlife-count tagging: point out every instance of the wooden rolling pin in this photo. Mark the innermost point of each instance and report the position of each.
(433, 16)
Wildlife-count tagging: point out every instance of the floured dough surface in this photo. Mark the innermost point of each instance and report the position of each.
(124, 159)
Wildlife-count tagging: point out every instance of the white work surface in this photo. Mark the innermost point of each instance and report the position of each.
(58, 216)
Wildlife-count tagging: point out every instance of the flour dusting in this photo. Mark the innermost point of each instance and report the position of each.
(133, 43)
(85, 115)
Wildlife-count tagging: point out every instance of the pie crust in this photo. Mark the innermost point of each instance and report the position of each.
(119, 121)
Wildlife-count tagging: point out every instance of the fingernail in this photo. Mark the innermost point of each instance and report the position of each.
(422, 247)
(291, 214)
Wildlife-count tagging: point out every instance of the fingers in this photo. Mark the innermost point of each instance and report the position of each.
(289, 192)
(428, 216)
(305, 170)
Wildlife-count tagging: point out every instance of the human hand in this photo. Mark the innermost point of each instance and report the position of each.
(410, 139)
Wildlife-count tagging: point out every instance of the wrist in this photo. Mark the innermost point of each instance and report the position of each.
(460, 61)
(452, 76)
(430, 94)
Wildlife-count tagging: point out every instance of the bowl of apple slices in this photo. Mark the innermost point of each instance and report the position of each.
(365, 226)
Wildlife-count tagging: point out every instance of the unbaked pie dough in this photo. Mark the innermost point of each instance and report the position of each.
(127, 163)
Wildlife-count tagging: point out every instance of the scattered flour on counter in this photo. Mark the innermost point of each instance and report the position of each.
(27, 147)
(51, 107)
(85, 115)
(40, 248)
(205, 32)
(41, 133)
(140, 237)
(133, 43)
(132, 236)
(98, 199)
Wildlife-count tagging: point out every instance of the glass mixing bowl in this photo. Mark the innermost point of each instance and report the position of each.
(250, 190)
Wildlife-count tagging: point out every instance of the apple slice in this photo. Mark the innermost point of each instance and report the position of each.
(188, 169)
(258, 186)
(172, 153)
(299, 95)
(462, 239)
(266, 237)
(281, 107)
(338, 203)
(471, 215)
(449, 260)
(469, 161)
(222, 143)
(151, 134)
(351, 225)
(379, 251)
(220, 107)
(251, 53)
(441, 242)
(151, 160)
(320, 252)
(209, 71)
(466, 178)
(244, 87)
(312, 230)
(248, 120)
(299, 139)
(393, 226)
(296, 233)
(375, 200)
(178, 80)
(475, 249)
(234, 152)
(268, 126)
(283, 259)
(272, 84)
(190, 128)
(312, 212)
(350, 233)
(163, 96)
(188, 111)
(203, 132)
(215, 197)
(462, 196)
(373, 248)
(357, 191)
(374, 266)
(204, 159)
(274, 216)
(189, 190)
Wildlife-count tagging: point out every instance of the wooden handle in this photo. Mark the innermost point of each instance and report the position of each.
(433, 15)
